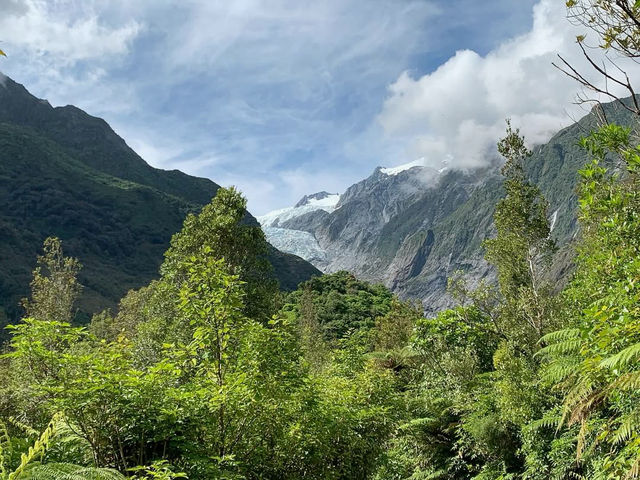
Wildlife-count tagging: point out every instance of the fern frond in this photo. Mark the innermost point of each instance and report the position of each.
(565, 347)
(551, 420)
(24, 427)
(5, 448)
(559, 370)
(635, 469)
(624, 432)
(574, 475)
(560, 336)
(66, 471)
(627, 382)
(623, 358)
(37, 449)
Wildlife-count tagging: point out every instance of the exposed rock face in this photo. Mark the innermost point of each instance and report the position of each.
(308, 199)
(411, 227)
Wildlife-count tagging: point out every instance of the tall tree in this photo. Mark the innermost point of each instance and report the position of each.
(55, 287)
(523, 245)
(221, 231)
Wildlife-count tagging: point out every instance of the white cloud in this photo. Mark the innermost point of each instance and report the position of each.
(65, 50)
(459, 109)
(276, 96)
(46, 30)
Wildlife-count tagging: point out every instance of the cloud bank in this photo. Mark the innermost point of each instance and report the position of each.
(458, 111)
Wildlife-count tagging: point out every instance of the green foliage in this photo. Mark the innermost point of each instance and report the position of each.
(595, 363)
(32, 464)
(522, 248)
(340, 303)
(220, 231)
(183, 376)
(66, 174)
(54, 287)
(159, 470)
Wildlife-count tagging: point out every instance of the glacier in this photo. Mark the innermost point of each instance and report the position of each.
(298, 242)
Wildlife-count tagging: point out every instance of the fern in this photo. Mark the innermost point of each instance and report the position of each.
(24, 427)
(567, 346)
(37, 449)
(560, 336)
(5, 449)
(32, 468)
(551, 419)
(623, 358)
(66, 471)
(627, 382)
(625, 431)
(560, 370)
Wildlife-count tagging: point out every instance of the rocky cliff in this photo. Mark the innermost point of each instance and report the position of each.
(411, 227)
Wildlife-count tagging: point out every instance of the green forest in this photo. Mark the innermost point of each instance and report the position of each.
(212, 372)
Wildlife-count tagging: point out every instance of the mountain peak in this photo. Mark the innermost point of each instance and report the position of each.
(317, 198)
(401, 168)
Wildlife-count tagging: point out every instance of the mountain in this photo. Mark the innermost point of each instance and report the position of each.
(410, 227)
(68, 174)
(298, 239)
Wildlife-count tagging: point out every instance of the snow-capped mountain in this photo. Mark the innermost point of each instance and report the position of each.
(420, 163)
(296, 241)
(411, 226)
(309, 203)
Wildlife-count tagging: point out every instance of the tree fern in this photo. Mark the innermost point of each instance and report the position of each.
(31, 465)
(623, 359)
(67, 471)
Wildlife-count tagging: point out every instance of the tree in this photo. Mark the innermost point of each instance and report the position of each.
(617, 25)
(522, 247)
(222, 231)
(54, 288)
(310, 334)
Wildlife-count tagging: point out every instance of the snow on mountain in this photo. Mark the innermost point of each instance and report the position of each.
(401, 168)
(309, 203)
(298, 242)
(320, 199)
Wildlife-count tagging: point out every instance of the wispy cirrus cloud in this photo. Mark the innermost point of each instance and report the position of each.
(275, 96)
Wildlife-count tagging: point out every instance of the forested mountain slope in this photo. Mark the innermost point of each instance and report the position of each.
(65, 173)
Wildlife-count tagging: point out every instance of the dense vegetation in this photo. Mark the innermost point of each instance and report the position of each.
(67, 174)
(209, 372)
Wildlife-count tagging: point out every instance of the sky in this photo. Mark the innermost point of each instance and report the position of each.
(282, 98)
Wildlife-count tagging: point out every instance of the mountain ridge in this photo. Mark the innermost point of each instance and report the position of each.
(65, 173)
(411, 234)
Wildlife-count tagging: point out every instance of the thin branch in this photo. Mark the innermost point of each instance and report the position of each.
(625, 8)
(571, 72)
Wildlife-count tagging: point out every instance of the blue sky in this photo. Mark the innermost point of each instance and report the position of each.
(288, 97)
